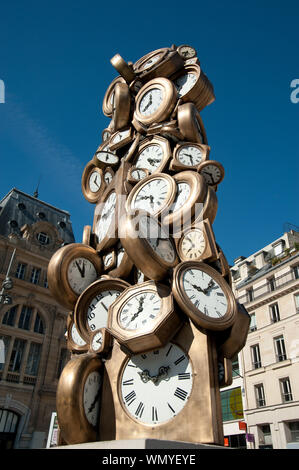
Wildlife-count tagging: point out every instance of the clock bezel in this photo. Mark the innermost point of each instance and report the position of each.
(106, 342)
(189, 122)
(215, 163)
(58, 271)
(71, 345)
(107, 106)
(92, 196)
(150, 141)
(210, 252)
(176, 164)
(80, 311)
(69, 399)
(197, 316)
(166, 107)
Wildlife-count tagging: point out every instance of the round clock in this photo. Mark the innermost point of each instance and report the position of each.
(160, 63)
(153, 154)
(149, 245)
(204, 295)
(100, 341)
(78, 398)
(108, 101)
(189, 155)
(120, 138)
(190, 191)
(143, 317)
(190, 124)
(155, 101)
(136, 174)
(155, 387)
(71, 269)
(92, 182)
(212, 171)
(187, 52)
(104, 158)
(154, 194)
(198, 243)
(91, 309)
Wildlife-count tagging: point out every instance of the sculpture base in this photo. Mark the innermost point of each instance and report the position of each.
(140, 444)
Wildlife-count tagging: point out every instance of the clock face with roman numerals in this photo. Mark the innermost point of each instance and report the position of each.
(155, 386)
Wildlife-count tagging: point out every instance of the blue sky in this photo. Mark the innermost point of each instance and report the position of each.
(55, 64)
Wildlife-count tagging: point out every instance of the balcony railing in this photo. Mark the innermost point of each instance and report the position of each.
(266, 288)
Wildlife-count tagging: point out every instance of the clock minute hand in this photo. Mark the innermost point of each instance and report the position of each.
(93, 404)
(81, 271)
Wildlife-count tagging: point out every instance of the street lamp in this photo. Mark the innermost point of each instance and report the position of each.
(7, 284)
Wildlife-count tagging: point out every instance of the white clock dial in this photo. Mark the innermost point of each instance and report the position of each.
(150, 157)
(97, 312)
(108, 177)
(205, 293)
(120, 255)
(187, 52)
(193, 244)
(138, 174)
(151, 101)
(211, 174)
(190, 155)
(151, 61)
(91, 397)
(121, 135)
(158, 238)
(140, 311)
(97, 341)
(108, 158)
(106, 218)
(76, 336)
(183, 193)
(156, 386)
(184, 83)
(152, 196)
(95, 182)
(81, 272)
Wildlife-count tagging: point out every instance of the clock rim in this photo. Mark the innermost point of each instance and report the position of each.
(198, 317)
(89, 195)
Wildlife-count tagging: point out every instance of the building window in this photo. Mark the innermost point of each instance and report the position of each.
(296, 271)
(271, 283)
(4, 345)
(16, 355)
(21, 271)
(235, 366)
(278, 249)
(280, 349)
(25, 317)
(286, 391)
(10, 316)
(296, 297)
(249, 294)
(35, 275)
(274, 313)
(256, 356)
(231, 403)
(259, 395)
(252, 326)
(46, 285)
(38, 325)
(265, 437)
(43, 238)
(294, 431)
(33, 359)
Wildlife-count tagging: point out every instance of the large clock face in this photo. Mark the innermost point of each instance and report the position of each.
(140, 310)
(156, 386)
(205, 293)
(153, 196)
(151, 101)
(81, 272)
(106, 217)
(91, 397)
(150, 157)
(193, 244)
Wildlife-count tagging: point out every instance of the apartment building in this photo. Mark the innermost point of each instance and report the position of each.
(267, 284)
(32, 325)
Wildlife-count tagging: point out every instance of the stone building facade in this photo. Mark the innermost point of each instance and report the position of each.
(267, 283)
(32, 327)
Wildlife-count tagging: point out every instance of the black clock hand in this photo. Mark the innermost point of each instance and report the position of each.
(148, 104)
(140, 309)
(81, 271)
(95, 182)
(210, 175)
(94, 401)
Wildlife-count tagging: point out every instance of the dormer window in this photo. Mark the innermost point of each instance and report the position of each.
(41, 215)
(278, 248)
(43, 238)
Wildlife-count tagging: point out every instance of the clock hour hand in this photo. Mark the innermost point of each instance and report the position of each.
(81, 271)
(144, 375)
(96, 398)
(196, 287)
(140, 309)
(162, 374)
(148, 104)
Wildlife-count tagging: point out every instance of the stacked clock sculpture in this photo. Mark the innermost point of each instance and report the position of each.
(153, 322)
